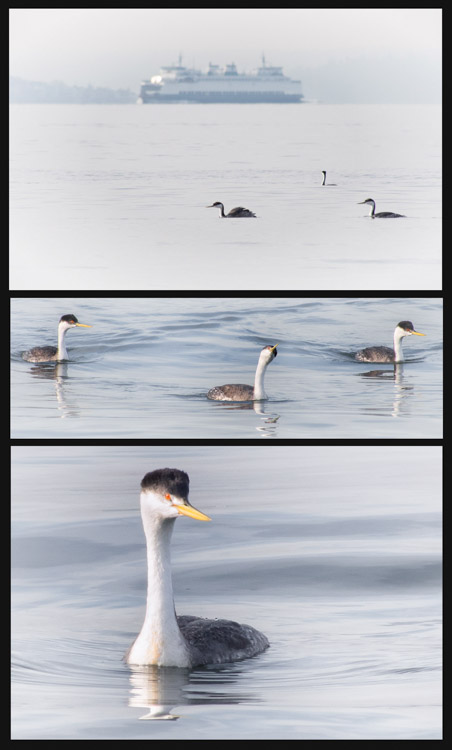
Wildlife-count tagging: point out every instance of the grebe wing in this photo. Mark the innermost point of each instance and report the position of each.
(40, 352)
(240, 211)
(375, 354)
(231, 392)
(220, 641)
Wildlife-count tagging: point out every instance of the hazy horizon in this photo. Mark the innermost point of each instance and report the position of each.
(369, 55)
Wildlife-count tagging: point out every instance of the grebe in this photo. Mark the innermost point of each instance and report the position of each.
(168, 640)
(238, 392)
(54, 353)
(381, 214)
(234, 213)
(330, 184)
(384, 353)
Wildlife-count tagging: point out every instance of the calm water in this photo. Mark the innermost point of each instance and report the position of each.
(114, 197)
(333, 552)
(144, 368)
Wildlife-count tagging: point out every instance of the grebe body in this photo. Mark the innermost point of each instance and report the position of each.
(54, 353)
(384, 353)
(234, 213)
(380, 214)
(330, 184)
(165, 639)
(240, 392)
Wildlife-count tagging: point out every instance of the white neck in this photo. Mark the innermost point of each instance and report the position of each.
(222, 213)
(398, 337)
(62, 351)
(259, 392)
(324, 178)
(160, 640)
(372, 208)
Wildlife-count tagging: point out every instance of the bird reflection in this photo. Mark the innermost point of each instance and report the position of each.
(401, 390)
(269, 418)
(161, 689)
(58, 372)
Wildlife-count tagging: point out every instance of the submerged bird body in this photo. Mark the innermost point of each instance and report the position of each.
(384, 353)
(54, 353)
(166, 639)
(241, 392)
(330, 184)
(380, 214)
(234, 213)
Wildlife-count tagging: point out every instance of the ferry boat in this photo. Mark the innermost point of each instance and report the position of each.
(176, 83)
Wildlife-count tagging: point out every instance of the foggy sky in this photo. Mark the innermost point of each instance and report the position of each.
(364, 54)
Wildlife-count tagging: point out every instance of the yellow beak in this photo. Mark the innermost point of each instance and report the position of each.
(189, 510)
(83, 325)
(274, 347)
(416, 333)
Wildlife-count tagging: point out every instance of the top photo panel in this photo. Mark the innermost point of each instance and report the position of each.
(174, 149)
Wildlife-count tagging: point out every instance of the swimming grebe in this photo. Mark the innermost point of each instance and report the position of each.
(239, 392)
(54, 353)
(381, 214)
(168, 640)
(330, 184)
(234, 213)
(384, 353)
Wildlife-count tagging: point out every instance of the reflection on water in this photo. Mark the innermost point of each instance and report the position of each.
(157, 689)
(269, 428)
(401, 391)
(58, 372)
(160, 689)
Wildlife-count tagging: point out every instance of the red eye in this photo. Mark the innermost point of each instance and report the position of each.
(167, 497)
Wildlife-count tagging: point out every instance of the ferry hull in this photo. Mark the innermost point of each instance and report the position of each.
(219, 97)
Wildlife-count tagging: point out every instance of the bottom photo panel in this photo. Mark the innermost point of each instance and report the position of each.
(225, 592)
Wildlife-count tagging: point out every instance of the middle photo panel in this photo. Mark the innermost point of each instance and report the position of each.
(226, 368)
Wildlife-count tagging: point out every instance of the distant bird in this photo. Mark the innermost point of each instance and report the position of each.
(234, 213)
(384, 353)
(239, 392)
(54, 353)
(330, 184)
(381, 214)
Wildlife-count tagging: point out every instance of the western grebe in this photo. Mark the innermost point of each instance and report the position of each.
(381, 214)
(166, 639)
(239, 392)
(54, 353)
(384, 353)
(234, 213)
(330, 184)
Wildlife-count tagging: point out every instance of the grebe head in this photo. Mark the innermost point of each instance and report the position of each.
(70, 321)
(268, 353)
(217, 204)
(368, 200)
(164, 494)
(406, 328)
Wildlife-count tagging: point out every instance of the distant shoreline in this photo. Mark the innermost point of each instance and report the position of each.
(22, 91)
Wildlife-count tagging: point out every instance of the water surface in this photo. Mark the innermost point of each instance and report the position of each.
(114, 197)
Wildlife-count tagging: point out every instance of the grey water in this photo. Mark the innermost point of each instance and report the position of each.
(114, 197)
(333, 552)
(144, 368)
